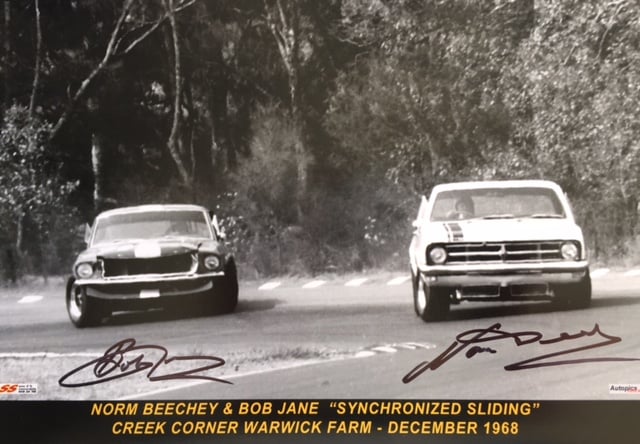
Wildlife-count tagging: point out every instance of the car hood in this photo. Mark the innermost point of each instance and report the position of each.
(137, 249)
(497, 230)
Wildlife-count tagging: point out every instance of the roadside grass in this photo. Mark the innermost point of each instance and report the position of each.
(288, 355)
(632, 257)
(34, 285)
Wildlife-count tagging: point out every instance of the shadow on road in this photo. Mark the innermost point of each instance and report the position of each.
(463, 312)
(615, 301)
(258, 305)
(173, 313)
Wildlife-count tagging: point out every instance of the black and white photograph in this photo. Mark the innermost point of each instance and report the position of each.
(426, 203)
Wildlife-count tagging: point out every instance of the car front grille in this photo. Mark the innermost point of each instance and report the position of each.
(179, 263)
(503, 252)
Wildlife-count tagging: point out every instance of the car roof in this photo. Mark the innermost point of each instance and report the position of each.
(152, 207)
(496, 184)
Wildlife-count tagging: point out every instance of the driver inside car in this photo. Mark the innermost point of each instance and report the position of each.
(463, 208)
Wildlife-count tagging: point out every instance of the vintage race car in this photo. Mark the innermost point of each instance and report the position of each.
(497, 241)
(148, 256)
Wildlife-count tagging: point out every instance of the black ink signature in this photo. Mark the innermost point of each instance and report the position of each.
(477, 336)
(114, 364)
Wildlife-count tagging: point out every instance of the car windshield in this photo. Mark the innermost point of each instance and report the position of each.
(497, 203)
(151, 225)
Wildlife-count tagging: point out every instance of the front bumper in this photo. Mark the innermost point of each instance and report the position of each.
(504, 281)
(504, 268)
(146, 278)
(148, 287)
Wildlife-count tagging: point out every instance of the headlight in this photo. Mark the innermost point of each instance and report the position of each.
(84, 270)
(211, 262)
(569, 251)
(438, 255)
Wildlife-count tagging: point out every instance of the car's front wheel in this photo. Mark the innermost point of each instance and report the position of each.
(575, 295)
(83, 310)
(225, 295)
(430, 303)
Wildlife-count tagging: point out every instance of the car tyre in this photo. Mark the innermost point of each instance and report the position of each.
(430, 303)
(83, 310)
(414, 284)
(226, 299)
(574, 296)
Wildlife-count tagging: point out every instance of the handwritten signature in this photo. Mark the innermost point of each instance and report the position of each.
(469, 339)
(124, 358)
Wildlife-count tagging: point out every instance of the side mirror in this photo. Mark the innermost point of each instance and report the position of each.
(415, 224)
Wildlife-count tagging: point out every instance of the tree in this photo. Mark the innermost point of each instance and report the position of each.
(573, 97)
(425, 101)
(126, 35)
(174, 143)
(31, 187)
(283, 18)
(7, 55)
(38, 62)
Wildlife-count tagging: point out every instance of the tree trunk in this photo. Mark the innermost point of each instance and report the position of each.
(97, 160)
(214, 149)
(44, 263)
(7, 54)
(285, 27)
(302, 160)
(11, 272)
(19, 233)
(36, 75)
(219, 114)
(17, 257)
(434, 158)
(173, 144)
(188, 135)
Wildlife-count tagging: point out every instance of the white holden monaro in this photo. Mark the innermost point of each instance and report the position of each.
(497, 241)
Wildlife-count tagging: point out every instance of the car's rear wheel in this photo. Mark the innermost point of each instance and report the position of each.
(430, 303)
(225, 295)
(83, 310)
(575, 295)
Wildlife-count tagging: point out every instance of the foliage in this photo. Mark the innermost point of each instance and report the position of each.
(314, 132)
(33, 196)
(579, 96)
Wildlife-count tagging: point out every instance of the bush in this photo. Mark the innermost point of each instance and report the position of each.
(34, 213)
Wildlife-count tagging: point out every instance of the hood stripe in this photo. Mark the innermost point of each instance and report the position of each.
(456, 231)
(449, 233)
